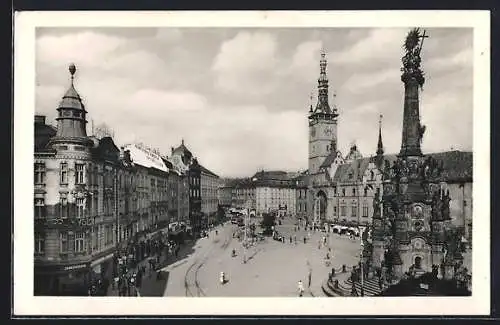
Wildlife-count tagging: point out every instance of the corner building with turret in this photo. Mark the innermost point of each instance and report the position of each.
(90, 200)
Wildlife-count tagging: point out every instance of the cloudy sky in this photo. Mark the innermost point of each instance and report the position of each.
(239, 97)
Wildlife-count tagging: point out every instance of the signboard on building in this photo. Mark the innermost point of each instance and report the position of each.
(81, 222)
(75, 267)
(146, 157)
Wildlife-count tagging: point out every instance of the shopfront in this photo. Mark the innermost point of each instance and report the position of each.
(62, 279)
(102, 267)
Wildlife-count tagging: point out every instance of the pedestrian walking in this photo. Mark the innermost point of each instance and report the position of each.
(304, 239)
(301, 288)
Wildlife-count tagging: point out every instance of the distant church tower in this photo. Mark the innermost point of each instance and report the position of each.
(322, 123)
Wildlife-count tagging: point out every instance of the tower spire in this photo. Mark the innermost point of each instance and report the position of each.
(379, 159)
(72, 70)
(322, 105)
(380, 146)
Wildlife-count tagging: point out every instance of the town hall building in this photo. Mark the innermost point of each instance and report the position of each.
(341, 188)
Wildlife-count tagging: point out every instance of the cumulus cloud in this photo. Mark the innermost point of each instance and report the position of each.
(245, 62)
(88, 48)
(240, 98)
(379, 43)
(168, 35)
(304, 63)
(358, 82)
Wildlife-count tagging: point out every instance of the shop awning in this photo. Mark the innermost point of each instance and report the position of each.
(100, 260)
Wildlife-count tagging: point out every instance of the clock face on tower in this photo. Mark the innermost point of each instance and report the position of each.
(328, 131)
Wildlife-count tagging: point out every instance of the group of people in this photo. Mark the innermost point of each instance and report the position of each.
(141, 257)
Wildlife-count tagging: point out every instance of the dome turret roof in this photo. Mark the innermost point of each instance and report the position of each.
(71, 98)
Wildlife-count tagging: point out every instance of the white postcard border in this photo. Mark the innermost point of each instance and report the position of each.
(24, 103)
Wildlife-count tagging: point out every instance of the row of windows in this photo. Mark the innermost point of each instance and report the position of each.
(79, 242)
(86, 207)
(74, 113)
(354, 210)
(40, 173)
(353, 191)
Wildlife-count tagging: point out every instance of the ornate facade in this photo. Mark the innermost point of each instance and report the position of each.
(209, 201)
(76, 201)
(91, 198)
(341, 189)
(412, 223)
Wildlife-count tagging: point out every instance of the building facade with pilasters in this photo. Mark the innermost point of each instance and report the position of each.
(76, 201)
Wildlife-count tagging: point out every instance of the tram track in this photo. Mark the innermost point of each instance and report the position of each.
(191, 276)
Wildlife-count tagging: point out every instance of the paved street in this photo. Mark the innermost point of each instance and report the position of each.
(273, 268)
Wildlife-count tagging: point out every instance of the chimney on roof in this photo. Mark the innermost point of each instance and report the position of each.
(39, 119)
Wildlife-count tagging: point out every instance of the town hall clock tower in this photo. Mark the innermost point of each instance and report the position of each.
(322, 124)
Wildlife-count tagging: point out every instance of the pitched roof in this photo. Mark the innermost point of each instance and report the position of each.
(457, 166)
(72, 99)
(43, 133)
(182, 149)
(272, 179)
(351, 172)
(207, 171)
(329, 159)
(107, 149)
(146, 158)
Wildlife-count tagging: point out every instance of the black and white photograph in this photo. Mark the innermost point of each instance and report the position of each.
(323, 158)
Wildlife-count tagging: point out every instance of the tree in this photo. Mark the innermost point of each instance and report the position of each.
(268, 222)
